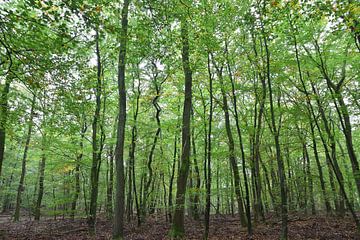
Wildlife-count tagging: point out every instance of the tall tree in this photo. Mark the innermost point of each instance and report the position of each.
(276, 134)
(21, 186)
(232, 157)
(236, 115)
(119, 208)
(207, 164)
(177, 228)
(96, 142)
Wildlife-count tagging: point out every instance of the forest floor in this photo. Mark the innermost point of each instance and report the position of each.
(156, 228)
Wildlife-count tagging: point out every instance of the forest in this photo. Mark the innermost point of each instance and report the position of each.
(179, 119)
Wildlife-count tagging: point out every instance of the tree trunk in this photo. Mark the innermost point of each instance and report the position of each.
(119, 208)
(41, 181)
(207, 164)
(21, 186)
(331, 156)
(335, 168)
(236, 115)
(280, 163)
(319, 167)
(311, 113)
(153, 146)
(309, 179)
(172, 176)
(231, 145)
(96, 152)
(347, 130)
(195, 199)
(132, 179)
(3, 118)
(177, 228)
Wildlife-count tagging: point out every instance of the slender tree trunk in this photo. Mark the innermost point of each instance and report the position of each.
(172, 176)
(217, 209)
(3, 118)
(257, 176)
(311, 113)
(331, 156)
(258, 211)
(96, 154)
(342, 110)
(110, 182)
(347, 131)
(177, 228)
(236, 115)
(132, 179)
(153, 146)
(21, 186)
(208, 162)
(280, 163)
(335, 168)
(319, 167)
(119, 208)
(349, 179)
(290, 180)
(195, 199)
(309, 179)
(231, 144)
(41, 181)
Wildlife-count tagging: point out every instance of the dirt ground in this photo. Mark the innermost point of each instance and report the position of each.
(156, 228)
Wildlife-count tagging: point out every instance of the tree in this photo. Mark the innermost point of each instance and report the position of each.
(3, 110)
(177, 227)
(21, 186)
(119, 208)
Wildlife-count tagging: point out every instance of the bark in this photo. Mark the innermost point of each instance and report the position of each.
(172, 176)
(195, 199)
(164, 197)
(3, 118)
(207, 164)
(21, 186)
(177, 228)
(119, 208)
(41, 182)
(110, 184)
(344, 116)
(96, 144)
(349, 179)
(309, 179)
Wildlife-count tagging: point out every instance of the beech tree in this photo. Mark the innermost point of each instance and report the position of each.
(180, 113)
